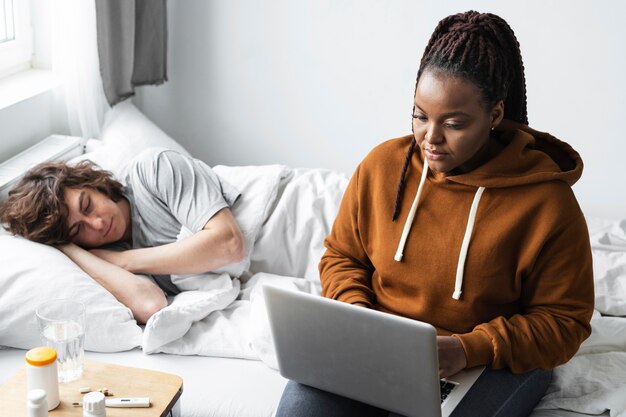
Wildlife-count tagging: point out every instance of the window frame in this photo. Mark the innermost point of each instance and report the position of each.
(16, 55)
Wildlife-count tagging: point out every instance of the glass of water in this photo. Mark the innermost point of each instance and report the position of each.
(62, 326)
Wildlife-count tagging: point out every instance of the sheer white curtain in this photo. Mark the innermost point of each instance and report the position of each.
(76, 65)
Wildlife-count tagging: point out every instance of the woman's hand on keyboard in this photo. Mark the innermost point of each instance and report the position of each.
(451, 356)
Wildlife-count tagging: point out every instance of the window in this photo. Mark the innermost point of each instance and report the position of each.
(7, 26)
(15, 36)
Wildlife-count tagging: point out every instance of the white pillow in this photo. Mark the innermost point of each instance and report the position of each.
(32, 273)
(125, 133)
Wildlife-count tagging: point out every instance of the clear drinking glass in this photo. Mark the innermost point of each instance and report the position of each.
(62, 326)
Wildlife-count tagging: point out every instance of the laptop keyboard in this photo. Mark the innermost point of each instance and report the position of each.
(445, 388)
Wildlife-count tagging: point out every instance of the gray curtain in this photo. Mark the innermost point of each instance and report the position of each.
(132, 45)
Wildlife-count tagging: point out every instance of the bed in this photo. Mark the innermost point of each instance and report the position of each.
(216, 337)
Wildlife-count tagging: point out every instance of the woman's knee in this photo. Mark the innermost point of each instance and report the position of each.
(501, 393)
(529, 391)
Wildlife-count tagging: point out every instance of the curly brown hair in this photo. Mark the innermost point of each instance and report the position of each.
(36, 206)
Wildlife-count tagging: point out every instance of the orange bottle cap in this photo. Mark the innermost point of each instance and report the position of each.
(41, 356)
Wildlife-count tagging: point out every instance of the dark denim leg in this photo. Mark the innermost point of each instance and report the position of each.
(300, 400)
(501, 393)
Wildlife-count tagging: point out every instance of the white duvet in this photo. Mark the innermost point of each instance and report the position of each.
(285, 217)
(594, 380)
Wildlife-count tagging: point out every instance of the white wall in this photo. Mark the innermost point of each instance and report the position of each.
(318, 83)
(27, 122)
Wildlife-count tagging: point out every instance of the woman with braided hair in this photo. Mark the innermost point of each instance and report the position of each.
(490, 245)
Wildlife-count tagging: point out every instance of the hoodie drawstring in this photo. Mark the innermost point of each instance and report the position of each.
(409, 219)
(460, 266)
(458, 285)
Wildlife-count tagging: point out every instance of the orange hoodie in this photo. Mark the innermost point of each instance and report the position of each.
(499, 256)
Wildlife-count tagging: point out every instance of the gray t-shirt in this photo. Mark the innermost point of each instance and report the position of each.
(168, 191)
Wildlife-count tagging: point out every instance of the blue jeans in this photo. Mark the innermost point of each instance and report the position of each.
(496, 393)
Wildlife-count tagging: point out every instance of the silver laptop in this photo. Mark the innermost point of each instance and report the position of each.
(379, 359)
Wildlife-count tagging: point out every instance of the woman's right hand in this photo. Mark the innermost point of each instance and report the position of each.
(114, 257)
(451, 355)
(69, 248)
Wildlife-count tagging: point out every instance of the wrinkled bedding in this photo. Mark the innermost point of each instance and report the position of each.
(594, 380)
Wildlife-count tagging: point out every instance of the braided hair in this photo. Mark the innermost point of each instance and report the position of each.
(480, 48)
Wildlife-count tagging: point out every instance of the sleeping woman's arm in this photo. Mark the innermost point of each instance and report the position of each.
(218, 244)
(140, 295)
(182, 192)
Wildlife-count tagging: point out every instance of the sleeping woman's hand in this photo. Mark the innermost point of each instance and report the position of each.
(69, 249)
(111, 256)
(73, 251)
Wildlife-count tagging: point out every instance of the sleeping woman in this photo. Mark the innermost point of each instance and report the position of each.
(88, 215)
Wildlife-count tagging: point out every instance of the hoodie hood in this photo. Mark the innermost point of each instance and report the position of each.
(528, 157)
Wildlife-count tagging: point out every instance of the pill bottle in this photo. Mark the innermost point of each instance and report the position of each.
(93, 405)
(37, 405)
(41, 373)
